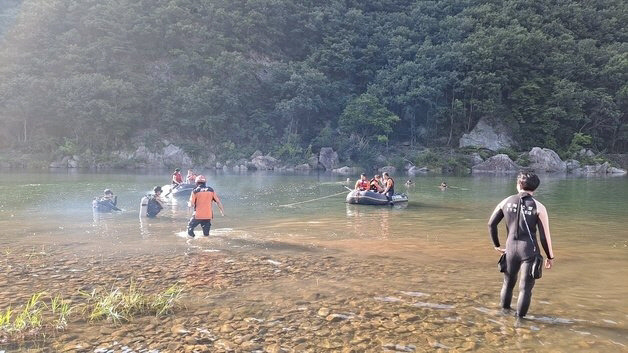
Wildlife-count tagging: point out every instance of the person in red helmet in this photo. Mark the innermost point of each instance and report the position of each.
(201, 200)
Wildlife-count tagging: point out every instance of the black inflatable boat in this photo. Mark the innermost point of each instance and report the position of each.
(374, 198)
(182, 191)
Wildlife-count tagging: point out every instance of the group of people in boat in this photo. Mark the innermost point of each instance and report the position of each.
(201, 201)
(383, 184)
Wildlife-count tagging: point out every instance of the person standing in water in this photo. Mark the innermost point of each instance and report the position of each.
(151, 205)
(389, 186)
(201, 200)
(107, 203)
(523, 214)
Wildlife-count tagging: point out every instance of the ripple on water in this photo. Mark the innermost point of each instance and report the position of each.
(387, 299)
(552, 320)
(433, 306)
(415, 294)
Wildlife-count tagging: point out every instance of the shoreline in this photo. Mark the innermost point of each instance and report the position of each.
(271, 299)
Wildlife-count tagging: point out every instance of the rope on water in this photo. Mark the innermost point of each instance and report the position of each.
(316, 199)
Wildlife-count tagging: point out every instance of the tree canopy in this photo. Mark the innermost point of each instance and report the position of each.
(283, 75)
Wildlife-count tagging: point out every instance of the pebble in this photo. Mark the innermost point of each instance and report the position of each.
(323, 312)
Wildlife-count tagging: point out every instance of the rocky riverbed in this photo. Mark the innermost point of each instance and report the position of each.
(274, 301)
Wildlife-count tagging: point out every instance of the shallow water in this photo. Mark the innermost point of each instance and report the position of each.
(371, 266)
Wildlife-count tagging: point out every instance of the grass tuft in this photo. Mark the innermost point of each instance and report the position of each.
(122, 305)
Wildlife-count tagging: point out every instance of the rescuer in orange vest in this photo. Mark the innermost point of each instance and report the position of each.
(201, 200)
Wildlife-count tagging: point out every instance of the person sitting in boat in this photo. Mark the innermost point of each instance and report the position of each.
(190, 177)
(389, 186)
(177, 178)
(376, 183)
(106, 203)
(362, 184)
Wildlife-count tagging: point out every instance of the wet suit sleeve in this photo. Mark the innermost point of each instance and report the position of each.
(496, 217)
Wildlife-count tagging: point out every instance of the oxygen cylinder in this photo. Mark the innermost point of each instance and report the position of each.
(143, 206)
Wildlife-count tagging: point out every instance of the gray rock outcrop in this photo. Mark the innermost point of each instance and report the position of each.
(313, 162)
(175, 156)
(414, 170)
(265, 162)
(487, 136)
(256, 154)
(328, 158)
(601, 169)
(345, 170)
(546, 160)
(572, 165)
(500, 163)
(302, 167)
(475, 158)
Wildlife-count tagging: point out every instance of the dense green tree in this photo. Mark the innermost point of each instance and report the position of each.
(283, 75)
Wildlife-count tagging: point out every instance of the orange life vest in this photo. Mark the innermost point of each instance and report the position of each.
(201, 199)
(177, 177)
(363, 184)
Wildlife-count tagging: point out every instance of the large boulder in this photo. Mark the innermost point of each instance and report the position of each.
(546, 160)
(475, 158)
(414, 170)
(303, 167)
(345, 170)
(264, 162)
(175, 156)
(151, 159)
(602, 169)
(572, 165)
(313, 162)
(328, 158)
(486, 136)
(500, 163)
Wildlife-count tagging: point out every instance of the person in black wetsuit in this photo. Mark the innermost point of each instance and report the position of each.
(389, 186)
(107, 203)
(523, 215)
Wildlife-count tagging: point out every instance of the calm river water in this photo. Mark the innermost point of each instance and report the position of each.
(407, 278)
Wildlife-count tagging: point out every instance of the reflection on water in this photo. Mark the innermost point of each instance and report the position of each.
(428, 262)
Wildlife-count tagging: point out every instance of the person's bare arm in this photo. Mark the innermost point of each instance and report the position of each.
(217, 199)
(544, 231)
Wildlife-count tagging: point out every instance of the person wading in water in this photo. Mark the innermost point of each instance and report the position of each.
(523, 215)
(201, 200)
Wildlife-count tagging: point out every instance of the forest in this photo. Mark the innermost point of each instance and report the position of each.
(290, 76)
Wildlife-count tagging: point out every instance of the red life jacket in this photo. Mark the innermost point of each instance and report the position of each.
(177, 177)
(363, 185)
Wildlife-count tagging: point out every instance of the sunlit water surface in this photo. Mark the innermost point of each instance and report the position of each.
(583, 299)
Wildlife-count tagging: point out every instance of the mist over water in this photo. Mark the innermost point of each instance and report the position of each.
(433, 253)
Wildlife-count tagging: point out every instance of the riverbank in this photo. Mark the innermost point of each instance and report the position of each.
(400, 160)
(274, 301)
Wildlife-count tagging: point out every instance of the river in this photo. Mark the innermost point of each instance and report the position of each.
(414, 277)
